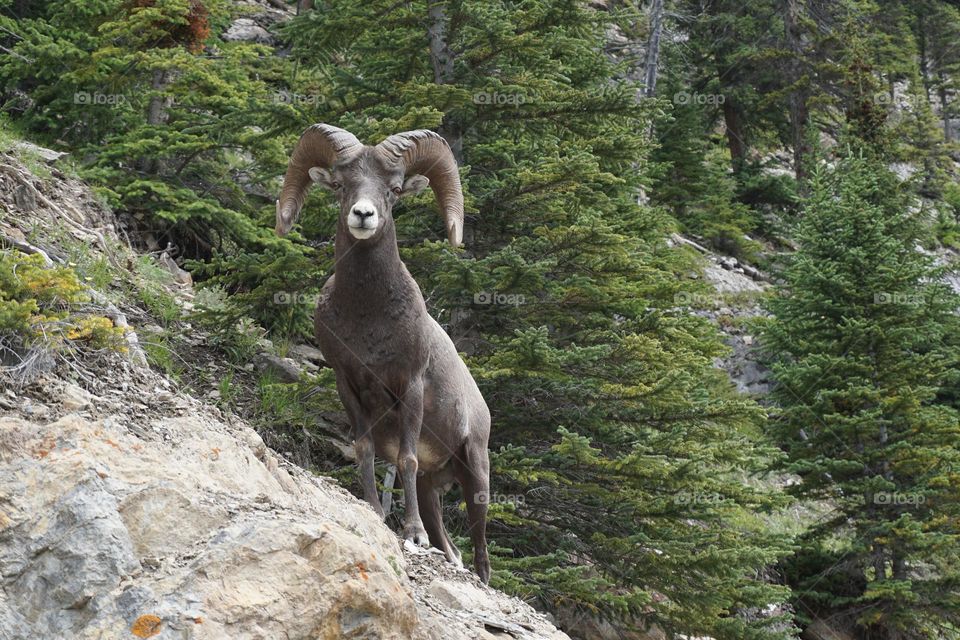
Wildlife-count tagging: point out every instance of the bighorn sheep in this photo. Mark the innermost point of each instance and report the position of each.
(409, 397)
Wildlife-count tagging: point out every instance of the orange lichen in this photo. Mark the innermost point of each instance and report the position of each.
(216, 453)
(47, 447)
(363, 571)
(146, 626)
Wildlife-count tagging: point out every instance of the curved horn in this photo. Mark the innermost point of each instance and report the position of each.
(319, 146)
(428, 154)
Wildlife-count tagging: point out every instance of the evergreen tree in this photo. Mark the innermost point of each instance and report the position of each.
(861, 351)
(167, 122)
(177, 130)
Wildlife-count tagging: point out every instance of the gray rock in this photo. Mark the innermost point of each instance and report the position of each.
(285, 369)
(75, 398)
(179, 275)
(24, 198)
(204, 533)
(460, 596)
(47, 155)
(57, 572)
(247, 30)
(725, 280)
(307, 353)
(86, 499)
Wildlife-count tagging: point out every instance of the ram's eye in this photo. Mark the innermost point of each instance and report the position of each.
(397, 190)
(335, 185)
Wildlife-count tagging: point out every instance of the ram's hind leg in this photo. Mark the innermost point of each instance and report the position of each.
(472, 471)
(431, 512)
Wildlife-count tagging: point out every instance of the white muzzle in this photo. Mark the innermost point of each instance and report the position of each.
(363, 219)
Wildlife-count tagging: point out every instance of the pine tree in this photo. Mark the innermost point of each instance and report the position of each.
(861, 351)
(176, 129)
(164, 119)
(725, 86)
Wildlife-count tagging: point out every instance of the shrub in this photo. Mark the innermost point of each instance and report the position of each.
(47, 310)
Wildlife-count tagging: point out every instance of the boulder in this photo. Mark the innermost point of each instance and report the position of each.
(47, 155)
(285, 369)
(105, 535)
(75, 398)
(247, 30)
(189, 527)
(307, 353)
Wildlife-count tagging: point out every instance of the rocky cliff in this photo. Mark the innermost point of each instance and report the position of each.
(146, 514)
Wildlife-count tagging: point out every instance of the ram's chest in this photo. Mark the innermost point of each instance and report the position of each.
(375, 339)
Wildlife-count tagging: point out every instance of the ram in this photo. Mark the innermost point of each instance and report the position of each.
(409, 397)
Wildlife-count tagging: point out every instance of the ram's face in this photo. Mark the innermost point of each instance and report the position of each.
(366, 190)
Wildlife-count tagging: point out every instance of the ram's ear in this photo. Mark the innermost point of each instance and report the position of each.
(414, 185)
(321, 177)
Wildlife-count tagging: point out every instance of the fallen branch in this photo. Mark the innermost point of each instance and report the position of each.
(679, 239)
(25, 247)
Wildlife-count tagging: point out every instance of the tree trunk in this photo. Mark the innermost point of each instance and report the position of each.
(944, 106)
(441, 59)
(652, 62)
(736, 135)
(797, 99)
(899, 566)
(728, 74)
(156, 114)
(389, 479)
(924, 63)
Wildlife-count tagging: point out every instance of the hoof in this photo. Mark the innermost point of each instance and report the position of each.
(455, 560)
(416, 536)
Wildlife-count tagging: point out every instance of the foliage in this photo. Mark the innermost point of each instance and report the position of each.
(862, 350)
(169, 124)
(46, 309)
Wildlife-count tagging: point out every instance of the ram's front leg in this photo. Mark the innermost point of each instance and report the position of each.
(411, 421)
(363, 445)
